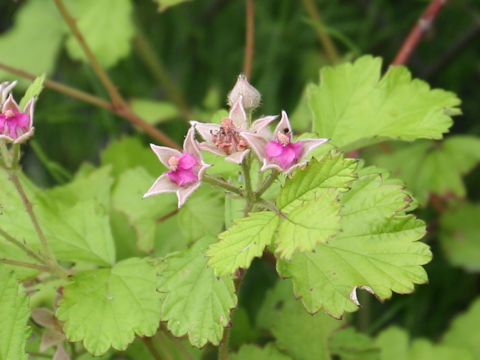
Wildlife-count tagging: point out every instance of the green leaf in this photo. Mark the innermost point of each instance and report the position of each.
(310, 201)
(14, 312)
(432, 167)
(459, 229)
(128, 153)
(142, 214)
(195, 302)
(464, 331)
(33, 42)
(165, 4)
(377, 250)
(300, 334)
(249, 352)
(352, 345)
(202, 214)
(354, 106)
(154, 112)
(107, 307)
(394, 344)
(241, 243)
(108, 35)
(33, 90)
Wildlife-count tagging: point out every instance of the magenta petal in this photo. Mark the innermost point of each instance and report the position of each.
(297, 148)
(273, 149)
(286, 158)
(182, 177)
(187, 161)
(23, 120)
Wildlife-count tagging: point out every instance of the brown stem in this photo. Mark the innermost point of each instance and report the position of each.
(327, 43)
(25, 264)
(21, 245)
(250, 38)
(151, 347)
(167, 216)
(80, 95)
(421, 27)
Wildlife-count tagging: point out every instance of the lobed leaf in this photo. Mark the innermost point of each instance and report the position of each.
(268, 352)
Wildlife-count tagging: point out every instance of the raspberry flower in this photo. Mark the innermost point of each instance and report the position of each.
(185, 169)
(224, 139)
(281, 152)
(15, 125)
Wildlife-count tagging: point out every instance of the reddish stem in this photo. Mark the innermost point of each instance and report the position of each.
(250, 39)
(421, 27)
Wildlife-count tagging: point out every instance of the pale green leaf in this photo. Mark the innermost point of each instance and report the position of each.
(432, 167)
(33, 42)
(250, 352)
(202, 214)
(377, 249)
(165, 4)
(350, 344)
(107, 27)
(33, 90)
(241, 243)
(154, 112)
(195, 302)
(106, 307)
(459, 236)
(394, 344)
(300, 334)
(14, 312)
(353, 105)
(310, 201)
(465, 330)
(142, 214)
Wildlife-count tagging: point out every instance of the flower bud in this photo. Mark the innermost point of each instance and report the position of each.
(250, 96)
(5, 89)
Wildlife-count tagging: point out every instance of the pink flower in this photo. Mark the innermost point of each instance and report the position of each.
(16, 126)
(185, 169)
(281, 152)
(224, 139)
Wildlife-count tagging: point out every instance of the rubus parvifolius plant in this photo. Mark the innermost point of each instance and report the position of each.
(241, 187)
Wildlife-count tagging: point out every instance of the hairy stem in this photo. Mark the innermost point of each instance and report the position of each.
(267, 183)
(249, 38)
(25, 264)
(223, 184)
(416, 34)
(23, 246)
(327, 43)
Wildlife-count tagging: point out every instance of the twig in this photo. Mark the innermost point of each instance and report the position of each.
(25, 264)
(223, 184)
(151, 347)
(167, 216)
(327, 43)
(421, 27)
(250, 38)
(21, 245)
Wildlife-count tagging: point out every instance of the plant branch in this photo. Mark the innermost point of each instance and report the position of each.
(267, 183)
(223, 184)
(416, 34)
(25, 264)
(327, 43)
(21, 245)
(151, 347)
(249, 38)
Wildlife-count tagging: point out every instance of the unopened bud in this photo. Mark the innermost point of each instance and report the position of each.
(250, 96)
(5, 89)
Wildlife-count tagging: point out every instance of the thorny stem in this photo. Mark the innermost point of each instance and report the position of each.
(421, 27)
(327, 43)
(249, 38)
(223, 184)
(40, 267)
(21, 245)
(52, 264)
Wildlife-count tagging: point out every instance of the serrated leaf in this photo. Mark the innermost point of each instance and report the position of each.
(431, 167)
(195, 302)
(106, 307)
(33, 42)
(202, 214)
(300, 334)
(154, 112)
(310, 201)
(14, 312)
(142, 214)
(33, 90)
(165, 4)
(394, 344)
(249, 352)
(354, 106)
(465, 330)
(459, 229)
(241, 243)
(108, 36)
(377, 249)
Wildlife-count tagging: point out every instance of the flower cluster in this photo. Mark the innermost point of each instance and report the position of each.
(232, 138)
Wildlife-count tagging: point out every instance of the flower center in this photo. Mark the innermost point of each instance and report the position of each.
(182, 169)
(228, 139)
(9, 113)
(284, 152)
(173, 163)
(283, 138)
(14, 123)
